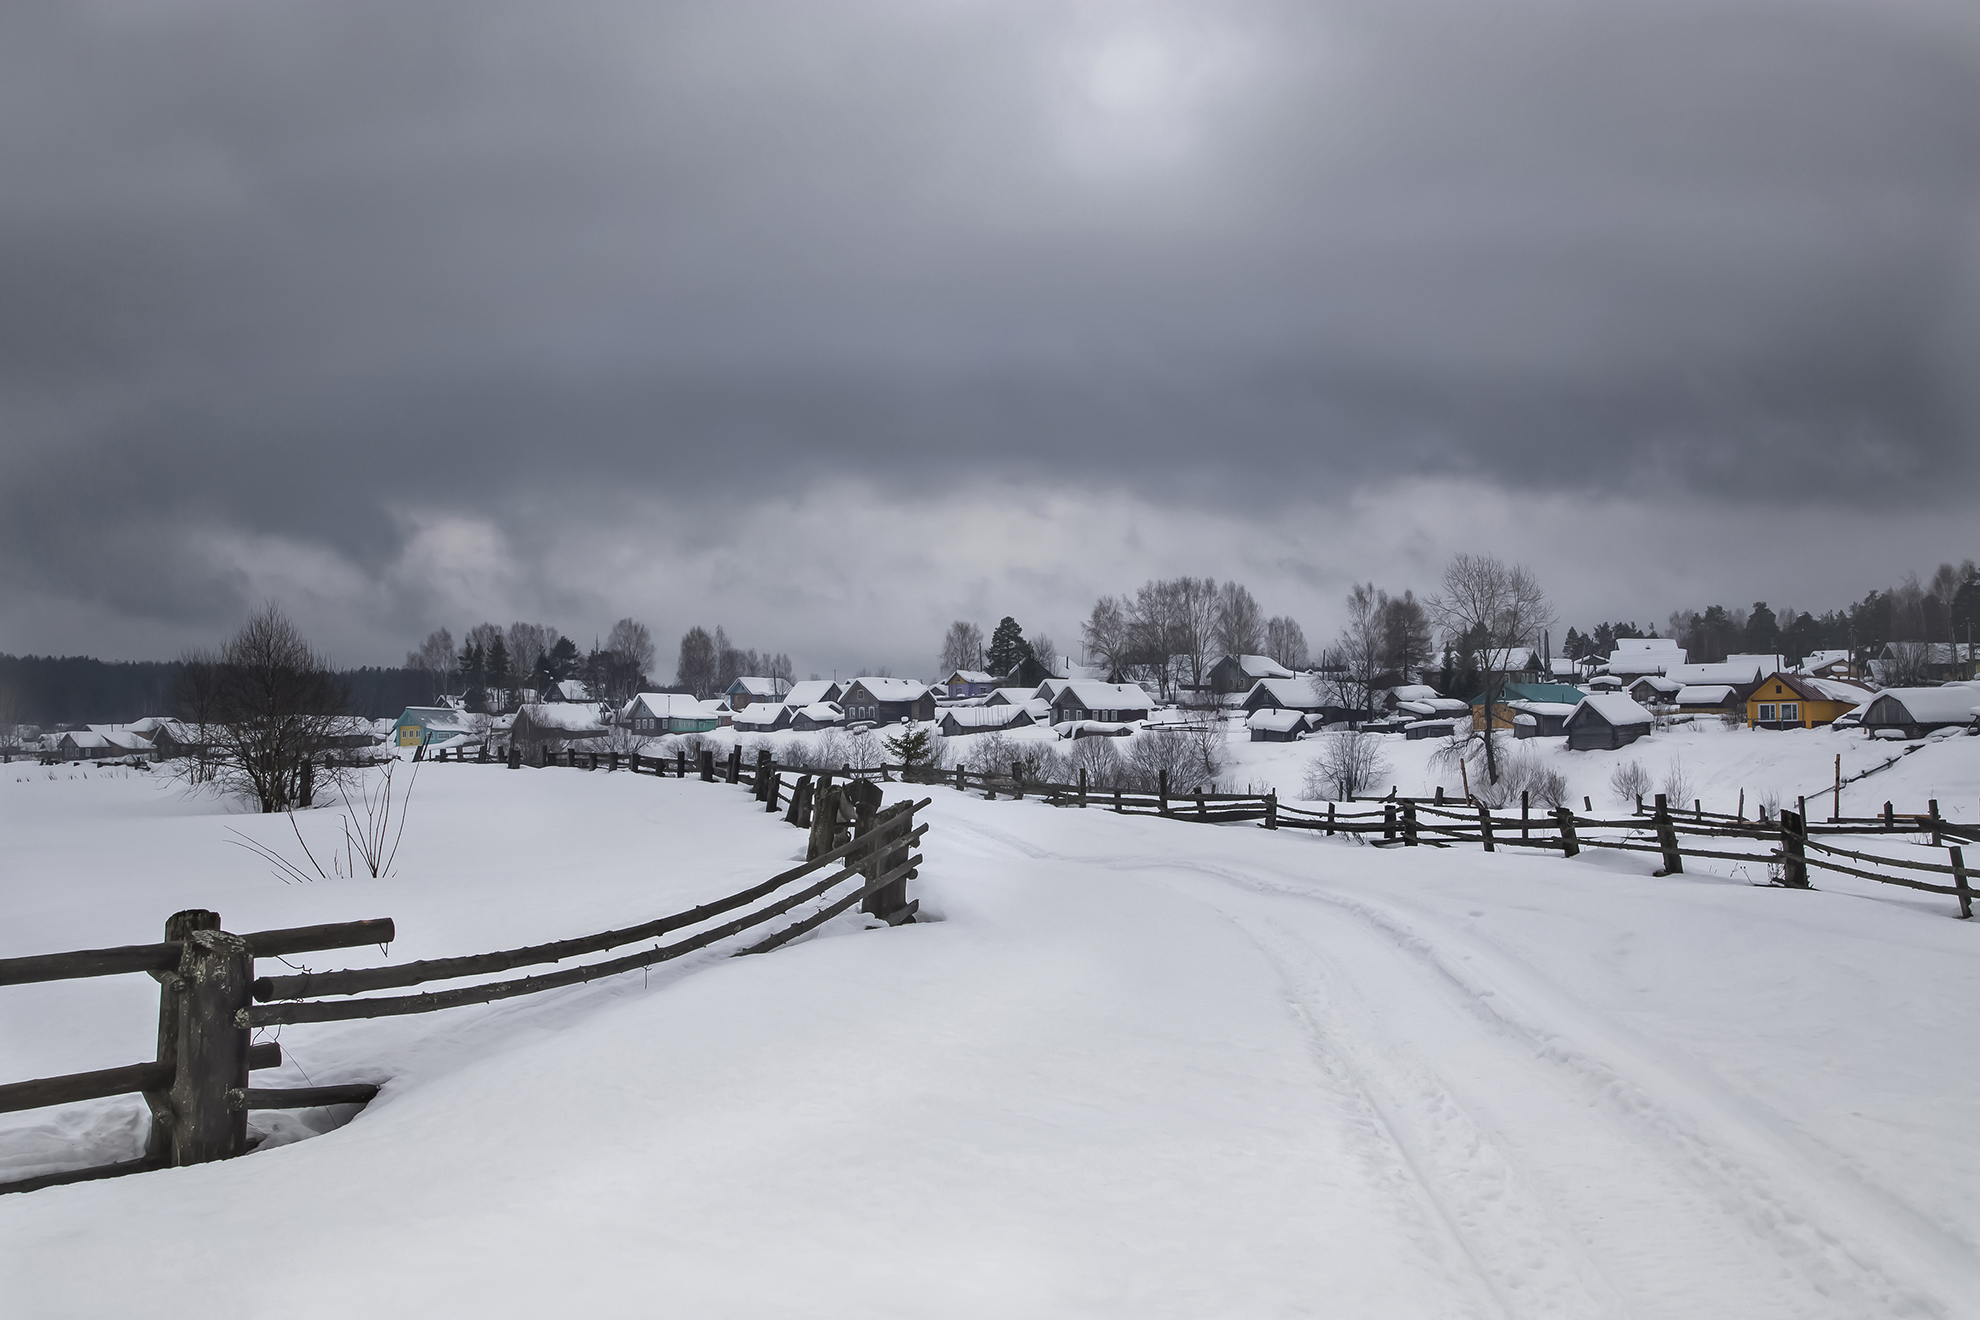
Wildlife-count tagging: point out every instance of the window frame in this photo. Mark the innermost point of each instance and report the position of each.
(1769, 712)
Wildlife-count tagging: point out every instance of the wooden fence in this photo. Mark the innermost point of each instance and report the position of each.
(211, 1000)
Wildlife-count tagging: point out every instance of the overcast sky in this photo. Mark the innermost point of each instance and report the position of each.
(834, 321)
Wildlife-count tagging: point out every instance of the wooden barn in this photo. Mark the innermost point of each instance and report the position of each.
(818, 715)
(1606, 721)
(655, 713)
(962, 721)
(887, 700)
(1276, 725)
(1240, 673)
(1109, 703)
(1915, 712)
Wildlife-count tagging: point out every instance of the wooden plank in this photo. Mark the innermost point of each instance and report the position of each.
(261, 1015)
(307, 984)
(88, 962)
(902, 873)
(142, 1165)
(310, 1097)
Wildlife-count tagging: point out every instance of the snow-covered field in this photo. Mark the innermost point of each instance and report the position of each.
(1130, 1067)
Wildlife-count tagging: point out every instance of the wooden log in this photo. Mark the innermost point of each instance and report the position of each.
(1933, 807)
(800, 812)
(735, 763)
(1525, 815)
(1958, 858)
(310, 1097)
(1330, 819)
(1890, 821)
(74, 1087)
(825, 914)
(1017, 782)
(397, 1006)
(314, 939)
(890, 828)
(707, 760)
(773, 793)
(117, 1170)
(1569, 844)
(1409, 824)
(89, 962)
(1388, 822)
(1667, 839)
(1272, 810)
(1162, 790)
(1082, 786)
(1485, 828)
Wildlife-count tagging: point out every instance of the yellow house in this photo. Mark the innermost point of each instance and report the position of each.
(1796, 701)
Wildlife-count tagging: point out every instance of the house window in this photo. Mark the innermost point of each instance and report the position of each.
(1791, 713)
(1766, 713)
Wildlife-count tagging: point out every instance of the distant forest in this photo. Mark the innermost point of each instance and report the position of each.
(73, 689)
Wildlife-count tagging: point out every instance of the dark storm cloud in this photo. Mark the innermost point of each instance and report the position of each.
(288, 270)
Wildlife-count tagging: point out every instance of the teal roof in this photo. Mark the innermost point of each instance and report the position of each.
(1560, 692)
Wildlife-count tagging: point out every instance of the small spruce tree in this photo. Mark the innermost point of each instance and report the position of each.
(912, 744)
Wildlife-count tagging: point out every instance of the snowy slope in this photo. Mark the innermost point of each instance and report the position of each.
(1134, 1067)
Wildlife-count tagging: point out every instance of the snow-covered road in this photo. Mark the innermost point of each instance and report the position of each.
(1133, 1067)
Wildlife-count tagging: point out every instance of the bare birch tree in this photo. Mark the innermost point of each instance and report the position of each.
(962, 648)
(278, 704)
(1503, 608)
(1240, 628)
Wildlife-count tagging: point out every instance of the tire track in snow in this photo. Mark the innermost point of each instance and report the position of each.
(1823, 1236)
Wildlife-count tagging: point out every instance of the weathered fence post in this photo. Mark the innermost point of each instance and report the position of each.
(680, 763)
(1570, 846)
(1667, 839)
(1958, 857)
(889, 902)
(306, 784)
(1794, 850)
(1933, 806)
(1526, 815)
(1388, 822)
(1440, 795)
(735, 764)
(1162, 792)
(826, 810)
(515, 757)
(706, 760)
(1890, 822)
(1118, 808)
(613, 767)
(481, 755)
(1199, 804)
(635, 762)
(1017, 782)
(1485, 828)
(204, 1114)
(800, 812)
(1330, 820)
(1272, 810)
(760, 782)
(962, 772)
(773, 790)
(1409, 824)
(594, 760)
(1082, 786)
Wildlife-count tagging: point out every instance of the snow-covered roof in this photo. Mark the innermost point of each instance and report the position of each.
(759, 713)
(1105, 696)
(1256, 667)
(1645, 655)
(1558, 708)
(1736, 670)
(86, 738)
(571, 717)
(1297, 693)
(1275, 721)
(125, 740)
(573, 689)
(893, 689)
(756, 686)
(1659, 683)
(1630, 645)
(972, 676)
(821, 712)
(1704, 694)
(1413, 692)
(667, 705)
(1836, 689)
(809, 693)
(1953, 702)
(1615, 708)
(1018, 696)
(1821, 660)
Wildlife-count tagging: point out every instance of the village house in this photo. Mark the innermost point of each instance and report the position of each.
(762, 717)
(558, 722)
(1307, 694)
(748, 689)
(964, 683)
(1541, 719)
(1606, 721)
(1708, 699)
(1418, 730)
(887, 701)
(1504, 712)
(811, 692)
(1637, 656)
(1276, 725)
(1827, 664)
(1935, 662)
(654, 713)
(569, 689)
(1240, 673)
(1653, 690)
(962, 721)
(431, 726)
(1107, 703)
(1915, 712)
(817, 715)
(1802, 701)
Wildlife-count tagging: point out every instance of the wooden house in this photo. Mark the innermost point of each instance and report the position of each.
(1240, 673)
(1801, 701)
(1276, 725)
(1418, 730)
(1107, 703)
(817, 715)
(1541, 719)
(1654, 690)
(762, 717)
(654, 713)
(1606, 721)
(1708, 699)
(965, 683)
(1504, 710)
(750, 689)
(431, 726)
(559, 722)
(1915, 712)
(963, 721)
(1307, 694)
(887, 701)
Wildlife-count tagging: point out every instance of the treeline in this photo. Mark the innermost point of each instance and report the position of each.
(50, 691)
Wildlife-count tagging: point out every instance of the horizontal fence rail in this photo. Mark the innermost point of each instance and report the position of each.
(197, 1089)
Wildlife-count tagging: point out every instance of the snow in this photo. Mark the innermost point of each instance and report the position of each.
(1289, 693)
(1955, 701)
(1703, 694)
(892, 689)
(810, 692)
(1130, 1067)
(1105, 696)
(567, 716)
(665, 705)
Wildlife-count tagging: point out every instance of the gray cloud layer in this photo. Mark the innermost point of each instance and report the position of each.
(315, 273)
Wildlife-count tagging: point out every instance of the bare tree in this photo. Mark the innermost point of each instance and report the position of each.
(279, 704)
(695, 670)
(436, 655)
(1503, 608)
(1359, 652)
(1045, 649)
(196, 705)
(1285, 642)
(962, 648)
(1405, 636)
(1105, 633)
(1155, 633)
(1349, 762)
(1196, 599)
(778, 669)
(528, 642)
(1906, 664)
(1240, 627)
(11, 743)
